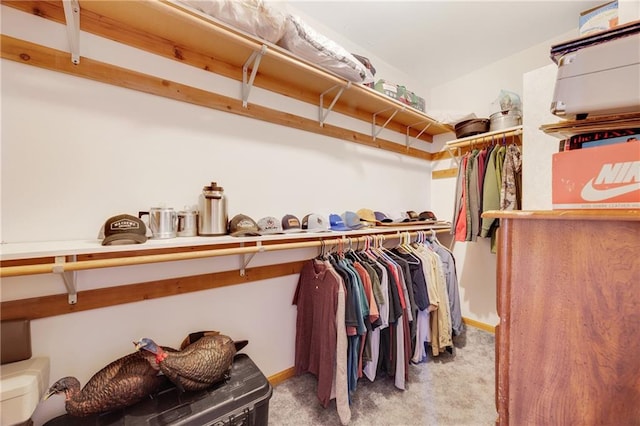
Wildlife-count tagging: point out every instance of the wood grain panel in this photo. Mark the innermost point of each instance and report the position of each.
(282, 376)
(445, 173)
(503, 295)
(46, 306)
(571, 336)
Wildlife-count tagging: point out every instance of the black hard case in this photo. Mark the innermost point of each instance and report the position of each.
(243, 400)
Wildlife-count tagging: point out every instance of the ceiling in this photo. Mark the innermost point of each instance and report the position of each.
(443, 40)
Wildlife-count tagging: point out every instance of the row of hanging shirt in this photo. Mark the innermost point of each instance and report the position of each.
(488, 179)
(372, 312)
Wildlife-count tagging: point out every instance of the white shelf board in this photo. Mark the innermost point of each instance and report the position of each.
(31, 250)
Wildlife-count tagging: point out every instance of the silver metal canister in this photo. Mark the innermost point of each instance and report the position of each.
(505, 119)
(213, 211)
(187, 223)
(162, 222)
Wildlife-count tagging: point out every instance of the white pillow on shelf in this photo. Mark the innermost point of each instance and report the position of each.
(251, 16)
(302, 40)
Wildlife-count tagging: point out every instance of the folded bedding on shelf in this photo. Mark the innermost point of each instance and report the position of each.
(302, 40)
(251, 16)
(258, 18)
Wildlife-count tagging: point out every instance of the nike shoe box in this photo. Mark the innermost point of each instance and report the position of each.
(242, 400)
(602, 177)
(598, 75)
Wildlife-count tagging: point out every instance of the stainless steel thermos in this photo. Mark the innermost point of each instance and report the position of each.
(213, 211)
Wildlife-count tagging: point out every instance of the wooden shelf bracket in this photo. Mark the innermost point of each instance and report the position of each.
(72, 17)
(70, 278)
(374, 133)
(322, 114)
(247, 82)
(408, 143)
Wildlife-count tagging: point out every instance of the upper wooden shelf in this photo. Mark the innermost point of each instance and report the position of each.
(175, 31)
(567, 128)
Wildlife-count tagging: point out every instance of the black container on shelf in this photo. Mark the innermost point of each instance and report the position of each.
(242, 400)
(471, 127)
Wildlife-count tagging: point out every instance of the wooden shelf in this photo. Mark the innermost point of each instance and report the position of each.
(41, 254)
(174, 31)
(496, 135)
(586, 214)
(67, 257)
(567, 128)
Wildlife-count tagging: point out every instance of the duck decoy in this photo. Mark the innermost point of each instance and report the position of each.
(205, 358)
(120, 384)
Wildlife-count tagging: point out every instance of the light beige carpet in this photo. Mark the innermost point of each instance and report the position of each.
(451, 390)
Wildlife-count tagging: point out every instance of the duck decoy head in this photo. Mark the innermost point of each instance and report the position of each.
(66, 385)
(146, 344)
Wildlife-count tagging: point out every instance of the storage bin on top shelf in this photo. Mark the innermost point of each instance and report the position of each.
(401, 94)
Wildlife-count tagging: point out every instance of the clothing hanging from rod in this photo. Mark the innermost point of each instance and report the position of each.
(373, 312)
(489, 178)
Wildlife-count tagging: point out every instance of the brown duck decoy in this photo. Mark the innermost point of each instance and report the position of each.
(205, 359)
(121, 383)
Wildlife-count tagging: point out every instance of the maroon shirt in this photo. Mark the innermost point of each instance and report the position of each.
(317, 300)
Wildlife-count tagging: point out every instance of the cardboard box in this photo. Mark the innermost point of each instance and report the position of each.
(401, 94)
(387, 88)
(411, 99)
(603, 177)
(599, 18)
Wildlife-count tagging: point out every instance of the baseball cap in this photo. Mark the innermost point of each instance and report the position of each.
(398, 217)
(367, 215)
(315, 223)
(413, 216)
(352, 220)
(381, 217)
(336, 223)
(124, 229)
(269, 225)
(242, 226)
(427, 215)
(290, 224)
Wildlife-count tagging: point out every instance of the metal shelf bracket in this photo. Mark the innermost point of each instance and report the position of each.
(322, 114)
(408, 143)
(455, 153)
(72, 17)
(375, 133)
(245, 259)
(69, 277)
(247, 81)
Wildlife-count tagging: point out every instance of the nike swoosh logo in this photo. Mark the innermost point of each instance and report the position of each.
(589, 193)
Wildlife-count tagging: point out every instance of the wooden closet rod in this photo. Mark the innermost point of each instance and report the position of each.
(13, 271)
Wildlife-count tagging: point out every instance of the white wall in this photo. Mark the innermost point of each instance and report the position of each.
(75, 152)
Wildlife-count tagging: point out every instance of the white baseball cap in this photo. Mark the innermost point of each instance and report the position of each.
(315, 223)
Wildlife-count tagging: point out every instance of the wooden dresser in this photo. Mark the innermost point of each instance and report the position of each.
(568, 341)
